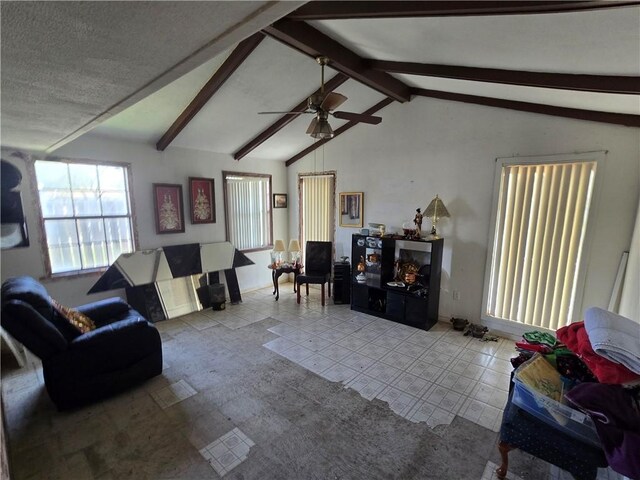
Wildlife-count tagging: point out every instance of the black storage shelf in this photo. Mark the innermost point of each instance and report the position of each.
(417, 307)
(341, 282)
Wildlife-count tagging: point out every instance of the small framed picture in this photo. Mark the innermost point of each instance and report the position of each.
(279, 200)
(201, 200)
(169, 210)
(351, 214)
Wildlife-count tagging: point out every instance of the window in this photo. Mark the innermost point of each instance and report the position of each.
(541, 219)
(247, 203)
(317, 196)
(86, 211)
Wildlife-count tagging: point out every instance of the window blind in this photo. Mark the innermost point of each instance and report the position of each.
(539, 233)
(317, 197)
(248, 213)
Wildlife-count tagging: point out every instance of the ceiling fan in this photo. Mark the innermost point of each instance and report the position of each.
(323, 104)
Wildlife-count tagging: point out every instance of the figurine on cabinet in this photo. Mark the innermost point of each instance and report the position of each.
(418, 221)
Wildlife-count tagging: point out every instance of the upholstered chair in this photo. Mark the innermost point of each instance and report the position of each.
(87, 353)
(318, 262)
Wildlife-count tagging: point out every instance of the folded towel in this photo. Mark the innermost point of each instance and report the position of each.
(614, 337)
(575, 337)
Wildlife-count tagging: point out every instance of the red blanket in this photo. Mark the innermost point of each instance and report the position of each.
(575, 337)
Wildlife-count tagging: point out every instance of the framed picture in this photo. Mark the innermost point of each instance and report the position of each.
(279, 200)
(167, 200)
(351, 209)
(202, 200)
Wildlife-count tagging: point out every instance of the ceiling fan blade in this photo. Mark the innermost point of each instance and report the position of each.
(332, 101)
(284, 113)
(357, 117)
(312, 125)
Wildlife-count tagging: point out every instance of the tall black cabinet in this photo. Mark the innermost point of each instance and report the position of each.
(400, 281)
(341, 282)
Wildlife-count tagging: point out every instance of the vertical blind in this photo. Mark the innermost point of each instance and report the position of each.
(540, 229)
(248, 212)
(317, 197)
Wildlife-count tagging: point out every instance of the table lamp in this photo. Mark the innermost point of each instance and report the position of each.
(294, 251)
(436, 210)
(277, 253)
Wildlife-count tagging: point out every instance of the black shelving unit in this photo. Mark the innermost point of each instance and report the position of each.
(384, 257)
(341, 282)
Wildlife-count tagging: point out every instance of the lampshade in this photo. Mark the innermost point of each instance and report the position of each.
(436, 210)
(294, 245)
(278, 246)
(322, 129)
(294, 251)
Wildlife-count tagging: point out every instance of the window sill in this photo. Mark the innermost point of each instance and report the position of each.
(258, 249)
(53, 277)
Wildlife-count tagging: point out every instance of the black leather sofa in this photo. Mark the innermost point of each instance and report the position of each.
(80, 368)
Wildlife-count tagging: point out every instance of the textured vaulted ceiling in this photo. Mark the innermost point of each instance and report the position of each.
(131, 70)
(67, 66)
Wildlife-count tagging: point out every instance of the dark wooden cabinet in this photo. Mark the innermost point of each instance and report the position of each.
(388, 260)
(341, 282)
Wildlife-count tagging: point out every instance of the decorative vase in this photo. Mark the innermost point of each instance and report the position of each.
(361, 277)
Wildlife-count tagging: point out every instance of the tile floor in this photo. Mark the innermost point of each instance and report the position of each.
(172, 394)
(228, 451)
(423, 376)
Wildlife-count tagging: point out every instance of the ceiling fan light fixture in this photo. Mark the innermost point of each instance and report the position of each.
(322, 130)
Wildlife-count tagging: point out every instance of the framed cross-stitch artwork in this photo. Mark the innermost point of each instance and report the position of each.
(201, 200)
(169, 210)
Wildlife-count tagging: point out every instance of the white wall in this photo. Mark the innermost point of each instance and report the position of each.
(149, 166)
(629, 298)
(428, 147)
(421, 148)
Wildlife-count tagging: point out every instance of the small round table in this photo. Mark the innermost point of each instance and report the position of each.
(277, 271)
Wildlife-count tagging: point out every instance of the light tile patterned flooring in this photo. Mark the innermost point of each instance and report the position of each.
(172, 394)
(490, 473)
(424, 376)
(228, 451)
(555, 473)
(236, 316)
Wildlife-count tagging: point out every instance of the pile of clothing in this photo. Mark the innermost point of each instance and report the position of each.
(568, 364)
(609, 345)
(600, 359)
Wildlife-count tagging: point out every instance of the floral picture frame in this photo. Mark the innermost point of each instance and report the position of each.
(202, 206)
(169, 209)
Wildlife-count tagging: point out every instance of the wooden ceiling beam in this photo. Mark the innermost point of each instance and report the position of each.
(338, 131)
(272, 129)
(625, 119)
(239, 55)
(567, 81)
(331, 10)
(312, 42)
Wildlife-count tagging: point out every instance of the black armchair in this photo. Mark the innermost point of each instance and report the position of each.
(81, 368)
(318, 260)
